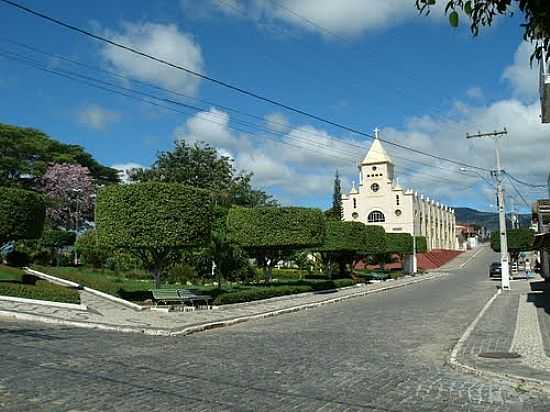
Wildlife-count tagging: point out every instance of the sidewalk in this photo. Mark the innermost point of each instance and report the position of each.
(517, 321)
(108, 315)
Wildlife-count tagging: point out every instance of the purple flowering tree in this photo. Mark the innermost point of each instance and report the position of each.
(69, 189)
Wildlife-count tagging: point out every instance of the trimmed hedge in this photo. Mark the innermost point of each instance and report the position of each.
(519, 240)
(376, 240)
(276, 228)
(266, 292)
(343, 236)
(401, 243)
(152, 215)
(421, 244)
(22, 214)
(41, 291)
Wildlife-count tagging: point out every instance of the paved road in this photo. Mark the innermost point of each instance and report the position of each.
(384, 352)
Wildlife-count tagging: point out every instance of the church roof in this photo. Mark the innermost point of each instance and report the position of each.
(377, 154)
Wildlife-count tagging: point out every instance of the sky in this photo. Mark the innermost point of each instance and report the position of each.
(364, 64)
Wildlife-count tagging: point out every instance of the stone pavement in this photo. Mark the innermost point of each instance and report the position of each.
(381, 352)
(517, 321)
(108, 315)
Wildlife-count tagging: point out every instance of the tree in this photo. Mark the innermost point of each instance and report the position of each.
(342, 243)
(518, 240)
(271, 234)
(480, 13)
(69, 189)
(154, 221)
(22, 214)
(55, 239)
(199, 165)
(89, 250)
(25, 154)
(337, 211)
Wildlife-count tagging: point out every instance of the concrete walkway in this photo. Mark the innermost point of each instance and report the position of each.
(108, 315)
(515, 322)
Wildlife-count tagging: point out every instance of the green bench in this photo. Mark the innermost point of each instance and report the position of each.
(185, 296)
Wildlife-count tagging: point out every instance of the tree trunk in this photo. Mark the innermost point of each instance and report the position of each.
(156, 276)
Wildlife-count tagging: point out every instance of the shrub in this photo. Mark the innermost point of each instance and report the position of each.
(153, 221)
(57, 238)
(18, 259)
(89, 250)
(421, 244)
(272, 233)
(376, 240)
(400, 243)
(181, 273)
(22, 214)
(41, 291)
(266, 292)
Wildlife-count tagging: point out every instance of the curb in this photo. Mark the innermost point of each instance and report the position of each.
(68, 283)
(523, 381)
(61, 305)
(211, 325)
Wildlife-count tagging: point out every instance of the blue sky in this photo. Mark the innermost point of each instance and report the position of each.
(365, 64)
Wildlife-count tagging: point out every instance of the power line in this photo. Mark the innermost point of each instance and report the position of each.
(524, 183)
(224, 84)
(112, 88)
(224, 107)
(518, 192)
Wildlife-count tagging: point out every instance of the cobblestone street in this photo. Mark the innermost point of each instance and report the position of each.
(383, 352)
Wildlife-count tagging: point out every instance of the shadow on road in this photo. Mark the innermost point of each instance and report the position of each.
(540, 300)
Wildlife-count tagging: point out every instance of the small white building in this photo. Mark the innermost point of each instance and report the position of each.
(379, 200)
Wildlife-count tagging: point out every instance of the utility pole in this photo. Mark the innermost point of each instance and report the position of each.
(505, 267)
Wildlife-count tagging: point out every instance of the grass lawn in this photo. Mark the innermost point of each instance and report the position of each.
(11, 284)
(138, 290)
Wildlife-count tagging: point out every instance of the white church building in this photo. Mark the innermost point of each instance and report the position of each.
(379, 200)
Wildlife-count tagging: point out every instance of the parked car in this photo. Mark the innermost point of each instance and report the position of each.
(495, 270)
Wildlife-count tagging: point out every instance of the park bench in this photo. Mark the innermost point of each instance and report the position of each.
(184, 296)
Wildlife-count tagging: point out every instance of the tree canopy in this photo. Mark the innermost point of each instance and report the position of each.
(518, 240)
(480, 13)
(200, 165)
(153, 221)
(28, 152)
(272, 233)
(22, 214)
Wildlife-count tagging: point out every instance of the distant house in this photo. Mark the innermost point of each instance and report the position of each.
(380, 200)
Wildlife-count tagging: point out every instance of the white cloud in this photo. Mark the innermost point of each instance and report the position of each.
(96, 117)
(328, 17)
(521, 76)
(163, 41)
(524, 150)
(277, 122)
(288, 162)
(475, 93)
(126, 168)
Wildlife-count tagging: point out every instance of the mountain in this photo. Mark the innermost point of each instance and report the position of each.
(487, 219)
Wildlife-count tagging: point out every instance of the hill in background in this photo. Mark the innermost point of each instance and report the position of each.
(487, 219)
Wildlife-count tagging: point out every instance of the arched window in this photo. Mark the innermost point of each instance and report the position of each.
(355, 203)
(397, 200)
(376, 216)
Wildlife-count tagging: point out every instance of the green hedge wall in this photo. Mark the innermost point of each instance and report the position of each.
(421, 244)
(344, 237)
(401, 243)
(22, 214)
(152, 215)
(519, 240)
(266, 292)
(276, 228)
(376, 240)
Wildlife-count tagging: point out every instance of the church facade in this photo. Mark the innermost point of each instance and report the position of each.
(379, 200)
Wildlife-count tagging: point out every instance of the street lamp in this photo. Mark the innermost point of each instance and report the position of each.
(77, 220)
